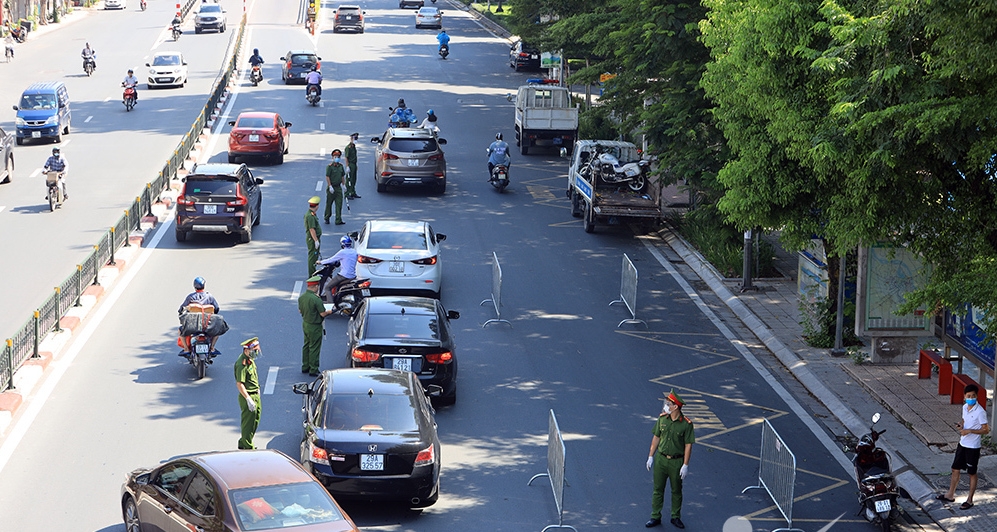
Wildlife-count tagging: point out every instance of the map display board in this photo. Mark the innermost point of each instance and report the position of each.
(890, 274)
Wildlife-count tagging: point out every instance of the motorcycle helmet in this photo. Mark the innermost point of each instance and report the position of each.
(346, 242)
(130, 71)
(430, 112)
(256, 51)
(199, 283)
(401, 103)
(498, 136)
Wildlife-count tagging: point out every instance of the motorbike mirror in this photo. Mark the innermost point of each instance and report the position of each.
(301, 388)
(442, 141)
(231, 122)
(453, 315)
(875, 418)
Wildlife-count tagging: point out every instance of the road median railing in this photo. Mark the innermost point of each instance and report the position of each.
(24, 343)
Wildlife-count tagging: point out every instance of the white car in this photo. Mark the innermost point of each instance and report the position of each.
(429, 17)
(400, 257)
(167, 69)
(114, 4)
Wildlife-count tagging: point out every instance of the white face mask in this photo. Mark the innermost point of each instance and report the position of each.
(667, 408)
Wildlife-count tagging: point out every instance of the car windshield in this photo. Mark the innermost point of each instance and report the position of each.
(34, 102)
(413, 145)
(256, 123)
(166, 60)
(302, 59)
(428, 11)
(397, 240)
(381, 413)
(415, 326)
(210, 187)
(211, 8)
(283, 506)
(343, 11)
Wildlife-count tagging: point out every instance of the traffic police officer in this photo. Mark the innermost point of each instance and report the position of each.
(350, 152)
(313, 233)
(248, 383)
(312, 314)
(334, 174)
(671, 448)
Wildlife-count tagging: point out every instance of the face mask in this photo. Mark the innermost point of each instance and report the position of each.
(667, 409)
(971, 402)
(335, 159)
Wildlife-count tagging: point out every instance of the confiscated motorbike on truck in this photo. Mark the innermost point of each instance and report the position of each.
(607, 169)
(346, 296)
(256, 75)
(129, 98)
(54, 195)
(877, 488)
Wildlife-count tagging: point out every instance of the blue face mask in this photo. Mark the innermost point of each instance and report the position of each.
(971, 402)
(335, 159)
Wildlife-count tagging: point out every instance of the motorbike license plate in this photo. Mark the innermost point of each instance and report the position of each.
(36, 134)
(211, 209)
(372, 462)
(413, 162)
(202, 349)
(404, 364)
(365, 292)
(254, 138)
(396, 266)
(883, 506)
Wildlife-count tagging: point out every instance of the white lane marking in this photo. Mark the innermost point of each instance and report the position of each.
(321, 104)
(36, 173)
(108, 99)
(321, 153)
(66, 142)
(322, 126)
(2, 207)
(271, 380)
(296, 291)
(319, 185)
(89, 118)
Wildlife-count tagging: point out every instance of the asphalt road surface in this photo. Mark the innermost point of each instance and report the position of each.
(128, 401)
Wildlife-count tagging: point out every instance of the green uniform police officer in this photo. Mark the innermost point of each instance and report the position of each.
(248, 383)
(312, 315)
(334, 174)
(671, 448)
(313, 233)
(350, 152)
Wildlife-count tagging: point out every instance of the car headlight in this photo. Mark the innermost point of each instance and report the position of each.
(152, 71)
(19, 122)
(52, 120)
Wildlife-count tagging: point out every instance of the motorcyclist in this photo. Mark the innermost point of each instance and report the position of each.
(8, 43)
(256, 59)
(347, 258)
(498, 153)
(430, 121)
(56, 163)
(314, 79)
(199, 297)
(88, 54)
(443, 39)
(131, 81)
(177, 22)
(402, 115)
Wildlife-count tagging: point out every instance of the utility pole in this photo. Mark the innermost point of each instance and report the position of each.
(746, 285)
(839, 324)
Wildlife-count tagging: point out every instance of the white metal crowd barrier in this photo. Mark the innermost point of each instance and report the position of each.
(496, 299)
(777, 473)
(628, 291)
(555, 471)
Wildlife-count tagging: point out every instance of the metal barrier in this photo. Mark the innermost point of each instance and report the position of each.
(628, 291)
(23, 344)
(496, 299)
(777, 473)
(555, 470)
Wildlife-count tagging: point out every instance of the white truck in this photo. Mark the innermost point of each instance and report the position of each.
(545, 116)
(596, 200)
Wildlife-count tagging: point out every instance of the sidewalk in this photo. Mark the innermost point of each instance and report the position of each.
(78, 13)
(920, 437)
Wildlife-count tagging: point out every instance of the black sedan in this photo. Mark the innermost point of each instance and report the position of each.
(407, 333)
(370, 434)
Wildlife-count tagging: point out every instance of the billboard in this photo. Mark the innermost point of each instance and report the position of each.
(965, 327)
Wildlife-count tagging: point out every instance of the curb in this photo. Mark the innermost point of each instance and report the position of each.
(482, 20)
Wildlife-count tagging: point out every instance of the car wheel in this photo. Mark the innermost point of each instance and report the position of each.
(246, 236)
(259, 214)
(197, 30)
(576, 205)
(524, 148)
(129, 512)
(181, 235)
(441, 189)
(587, 222)
(382, 188)
(431, 500)
(18, 140)
(66, 132)
(280, 157)
(449, 399)
(9, 169)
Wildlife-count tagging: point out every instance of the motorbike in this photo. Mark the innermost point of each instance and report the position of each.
(607, 168)
(18, 34)
(176, 32)
(256, 75)
(346, 297)
(312, 95)
(500, 177)
(128, 98)
(88, 66)
(396, 120)
(8, 53)
(878, 491)
(199, 355)
(142, 5)
(54, 195)
(444, 50)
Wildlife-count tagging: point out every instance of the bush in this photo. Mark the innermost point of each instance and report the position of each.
(722, 244)
(595, 123)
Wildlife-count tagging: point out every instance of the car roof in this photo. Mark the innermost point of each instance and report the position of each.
(348, 7)
(411, 133)
(212, 169)
(251, 468)
(393, 225)
(167, 52)
(43, 87)
(394, 304)
(308, 52)
(355, 381)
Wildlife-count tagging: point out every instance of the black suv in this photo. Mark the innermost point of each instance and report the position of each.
(348, 18)
(219, 198)
(524, 56)
(7, 152)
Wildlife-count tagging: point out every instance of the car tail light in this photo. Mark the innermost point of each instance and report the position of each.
(390, 157)
(238, 135)
(426, 456)
(359, 355)
(437, 157)
(438, 174)
(426, 262)
(318, 65)
(523, 54)
(239, 201)
(363, 259)
(365, 284)
(317, 454)
(440, 358)
(185, 201)
(270, 135)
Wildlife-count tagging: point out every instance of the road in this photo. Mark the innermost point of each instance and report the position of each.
(127, 401)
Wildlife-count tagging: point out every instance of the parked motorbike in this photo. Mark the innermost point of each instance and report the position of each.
(128, 98)
(500, 177)
(878, 489)
(88, 66)
(142, 5)
(312, 95)
(607, 168)
(346, 297)
(54, 195)
(256, 75)
(18, 34)
(444, 51)
(176, 32)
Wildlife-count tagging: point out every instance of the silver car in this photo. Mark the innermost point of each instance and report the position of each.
(408, 156)
(400, 257)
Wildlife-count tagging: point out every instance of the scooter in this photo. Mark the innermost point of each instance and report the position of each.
(18, 34)
(500, 177)
(88, 67)
(54, 196)
(142, 5)
(607, 169)
(129, 99)
(444, 50)
(397, 120)
(176, 32)
(256, 75)
(312, 95)
(345, 297)
(878, 489)
(199, 355)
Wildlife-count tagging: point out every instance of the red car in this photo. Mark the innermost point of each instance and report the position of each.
(258, 133)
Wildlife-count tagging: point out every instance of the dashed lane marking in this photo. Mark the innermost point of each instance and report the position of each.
(271, 380)
(36, 173)
(296, 292)
(2, 207)
(89, 118)
(321, 152)
(322, 126)
(318, 186)
(108, 99)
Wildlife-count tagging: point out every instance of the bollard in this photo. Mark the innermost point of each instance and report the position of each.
(79, 285)
(111, 262)
(9, 355)
(58, 298)
(128, 216)
(96, 270)
(37, 318)
(148, 189)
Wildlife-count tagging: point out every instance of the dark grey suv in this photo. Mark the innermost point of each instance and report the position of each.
(219, 198)
(297, 64)
(348, 18)
(410, 156)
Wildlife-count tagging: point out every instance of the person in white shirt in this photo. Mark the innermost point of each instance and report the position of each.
(967, 454)
(430, 121)
(314, 79)
(347, 258)
(8, 43)
(131, 81)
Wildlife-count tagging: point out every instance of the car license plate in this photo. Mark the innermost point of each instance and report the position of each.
(883, 506)
(396, 266)
(303, 74)
(372, 462)
(202, 349)
(211, 209)
(534, 56)
(349, 17)
(365, 292)
(36, 134)
(404, 364)
(254, 138)
(413, 162)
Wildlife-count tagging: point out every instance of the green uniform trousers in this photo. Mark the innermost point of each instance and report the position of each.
(250, 420)
(312, 257)
(351, 180)
(666, 469)
(312, 348)
(334, 194)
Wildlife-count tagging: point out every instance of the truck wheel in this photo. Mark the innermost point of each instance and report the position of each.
(524, 148)
(588, 223)
(576, 207)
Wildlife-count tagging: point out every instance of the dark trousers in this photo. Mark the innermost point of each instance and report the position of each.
(334, 195)
(250, 420)
(666, 469)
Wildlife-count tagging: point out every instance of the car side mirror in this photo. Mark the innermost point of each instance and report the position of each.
(259, 180)
(434, 390)
(373, 140)
(302, 388)
(287, 124)
(184, 63)
(15, 107)
(440, 237)
(148, 65)
(563, 152)
(453, 315)
(354, 235)
(231, 122)
(282, 59)
(319, 58)
(442, 142)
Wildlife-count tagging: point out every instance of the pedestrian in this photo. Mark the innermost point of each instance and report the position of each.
(334, 174)
(313, 313)
(248, 382)
(351, 162)
(313, 233)
(671, 448)
(967, 454)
